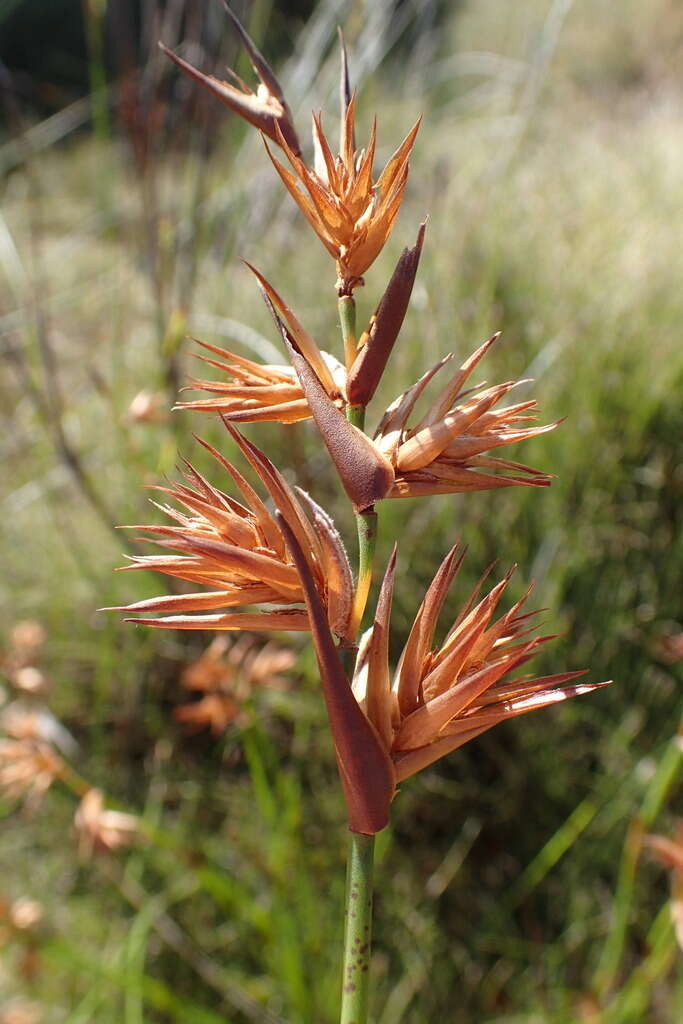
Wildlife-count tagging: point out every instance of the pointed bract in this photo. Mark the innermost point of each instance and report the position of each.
(345, 92)
(365, 473)
(266, 108)
(302, 338)
(378, 341)
(365, 768)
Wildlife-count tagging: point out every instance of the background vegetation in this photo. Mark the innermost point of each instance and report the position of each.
(512, 886)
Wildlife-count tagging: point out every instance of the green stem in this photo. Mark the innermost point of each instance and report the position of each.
(347, 316)
(358, 908)
(358, 930)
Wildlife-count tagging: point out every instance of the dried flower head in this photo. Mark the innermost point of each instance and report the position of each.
(26, 641)
(99, 829)
(266, 108)
(239, 552)
(27, 770)
(445, 451)
(351, 215)
(227, 674)
(440, 696)
(258, 392)
(254, 393)
(443, 696)
(30, 680)
(669, 647)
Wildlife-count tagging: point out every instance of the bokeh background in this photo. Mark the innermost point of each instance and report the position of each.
(514, 884)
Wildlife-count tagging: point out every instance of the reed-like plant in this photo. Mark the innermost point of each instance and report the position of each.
(276, 548)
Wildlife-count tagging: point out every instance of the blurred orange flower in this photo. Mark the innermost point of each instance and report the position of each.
(25, 914)
(26, 641)
(27, 770)
(99, 829)
(148, 407)
(227, 674)
(20, 1012)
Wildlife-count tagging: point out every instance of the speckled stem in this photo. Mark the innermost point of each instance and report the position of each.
(358, 910)
(358, 930)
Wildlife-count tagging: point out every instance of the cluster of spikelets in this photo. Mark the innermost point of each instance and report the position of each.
(287, 557)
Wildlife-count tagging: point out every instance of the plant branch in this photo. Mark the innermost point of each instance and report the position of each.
(358, 930)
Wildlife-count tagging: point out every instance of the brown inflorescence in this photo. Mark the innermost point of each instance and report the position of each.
(444, 695)
(238, 551)
(351, 214)
(27, 769)
(447, 450)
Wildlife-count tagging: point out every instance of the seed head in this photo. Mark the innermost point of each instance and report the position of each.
(258, 392)
(239, 552)
(445, 451)
(442, 696)
(351, 215)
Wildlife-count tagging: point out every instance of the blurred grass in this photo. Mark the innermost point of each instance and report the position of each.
(550, 162)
